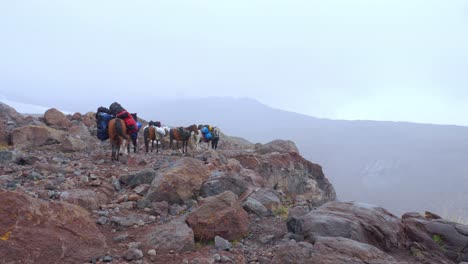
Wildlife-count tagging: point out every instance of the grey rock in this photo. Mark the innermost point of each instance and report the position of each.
(267, 197)
(130, 220)
(253, 206)
(6, 156)
(120, 238)
(102, 220)
(133, 254)
(116, 183)
(35, 176)
(145, 176)
(222, 244)
(175, 209)
(107, 259)
(103, 213)
(267, 239)
(138, 245)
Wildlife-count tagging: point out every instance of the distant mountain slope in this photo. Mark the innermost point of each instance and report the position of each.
(398, 165)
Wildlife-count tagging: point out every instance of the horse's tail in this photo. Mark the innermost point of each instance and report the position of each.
(119, 128)
(146, 133)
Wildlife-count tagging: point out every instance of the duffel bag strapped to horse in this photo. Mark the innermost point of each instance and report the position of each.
(208, 136)
(205, 130)
(161, 131)
(102, 122)
(115, 108)
(132, 126)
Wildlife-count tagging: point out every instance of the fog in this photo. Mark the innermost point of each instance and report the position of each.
(380, 60)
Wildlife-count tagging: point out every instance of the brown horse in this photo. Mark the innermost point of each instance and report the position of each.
(182, 134)
(152, 133)
(117, 130)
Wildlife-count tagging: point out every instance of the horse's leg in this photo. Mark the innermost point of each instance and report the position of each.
(157, 146)
(147, 145)
(113, 150)
(134, 141)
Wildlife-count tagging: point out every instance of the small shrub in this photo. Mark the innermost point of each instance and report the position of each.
(281, 211)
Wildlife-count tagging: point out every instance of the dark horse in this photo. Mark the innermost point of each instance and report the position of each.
(134, 135)
(117, 130)
(182, 134)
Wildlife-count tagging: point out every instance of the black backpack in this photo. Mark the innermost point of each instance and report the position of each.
(115, 108)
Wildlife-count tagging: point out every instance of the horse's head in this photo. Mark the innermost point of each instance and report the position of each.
(216, 131)
(193, 128)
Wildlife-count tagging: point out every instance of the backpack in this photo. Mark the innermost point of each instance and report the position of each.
(205, 130)
(102, 122)
(132, 126)
(208, 136)
(115, 108)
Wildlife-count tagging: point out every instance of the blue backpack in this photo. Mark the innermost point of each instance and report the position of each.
(102, 120)
(205, 130)
(208, 136)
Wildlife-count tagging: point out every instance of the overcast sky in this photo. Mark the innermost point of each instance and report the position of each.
(383, 60)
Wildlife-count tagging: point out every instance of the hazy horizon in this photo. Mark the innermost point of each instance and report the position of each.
(27, 108)
(354, 60)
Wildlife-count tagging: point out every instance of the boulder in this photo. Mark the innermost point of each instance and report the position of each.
(178, 182)
(267, 197)
(337, 250)
(254, 206)
(88, 199)
(70, 144)
(292, 174)
(175, 235)
(34, 136)
(293, 253)
(145, 176)
(281, 146)
(9, 119)
(34, 231)
(221, 181)
(361, 222)
(56, 119)
(439, 237)
(219, 215)
(80, 131)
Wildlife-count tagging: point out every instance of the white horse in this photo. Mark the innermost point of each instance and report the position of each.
(215, 133)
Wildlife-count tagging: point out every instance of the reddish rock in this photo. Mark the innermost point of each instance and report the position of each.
(88, 199)
(76, 116)
(89, 119)
(134, 197)
(34, 136)
(178, 182)
(176, 236)
(34, 231)
(57, 119)
(220, 215)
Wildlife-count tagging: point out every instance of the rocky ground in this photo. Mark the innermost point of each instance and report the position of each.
(63, 200)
